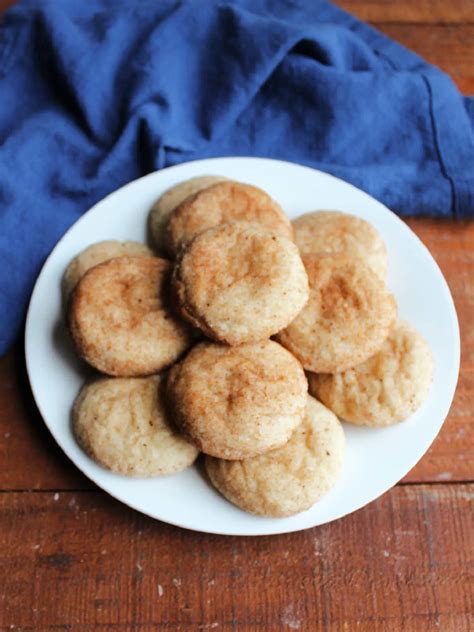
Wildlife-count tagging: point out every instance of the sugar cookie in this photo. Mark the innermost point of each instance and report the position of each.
(98, 253)
(222, 203)
(236, 402)
(337, 232)
(165, 205)
(121, 423)
(238, 283)
(289, 479)
(385, 389)
(120, 319)
(346, 319)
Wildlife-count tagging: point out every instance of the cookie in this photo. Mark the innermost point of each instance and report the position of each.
(346, 319)
(120, 318)
(289, 479)
(236, 402)
(121, 423)
(222, 203)
(385, 389)
(239, 283)
(337, 232)
(172, 198)
(98, 253)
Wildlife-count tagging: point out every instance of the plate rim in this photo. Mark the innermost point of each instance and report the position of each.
(285, 529)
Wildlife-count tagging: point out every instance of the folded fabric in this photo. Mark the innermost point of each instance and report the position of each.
(94, 94)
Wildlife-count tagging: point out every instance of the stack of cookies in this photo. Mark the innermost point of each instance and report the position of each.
(208, 342)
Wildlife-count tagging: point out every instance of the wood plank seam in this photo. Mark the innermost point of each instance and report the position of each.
(84, 490)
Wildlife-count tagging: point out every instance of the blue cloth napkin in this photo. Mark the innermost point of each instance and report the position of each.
(94, 94)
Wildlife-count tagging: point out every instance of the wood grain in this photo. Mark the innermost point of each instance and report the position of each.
(451, 47)
(407, 11)
(441, 32)
(80, 559)
(29, 455)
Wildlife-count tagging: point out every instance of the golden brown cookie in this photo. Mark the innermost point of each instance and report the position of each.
(98, 253)
(121, 423)
(236, 402)
(172, 198)
(239, 283)
(222, 203)
(385, 389)
(120, 318)
(346, 319)
(289, 479)
(337, 232)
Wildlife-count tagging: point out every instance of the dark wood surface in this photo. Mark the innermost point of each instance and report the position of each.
(73, 558)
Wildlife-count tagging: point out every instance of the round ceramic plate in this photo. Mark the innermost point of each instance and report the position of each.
(376, 459)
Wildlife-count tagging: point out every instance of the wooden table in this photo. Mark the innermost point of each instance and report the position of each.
(73, 558)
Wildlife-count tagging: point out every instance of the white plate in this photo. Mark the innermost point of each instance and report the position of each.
(376, 459)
